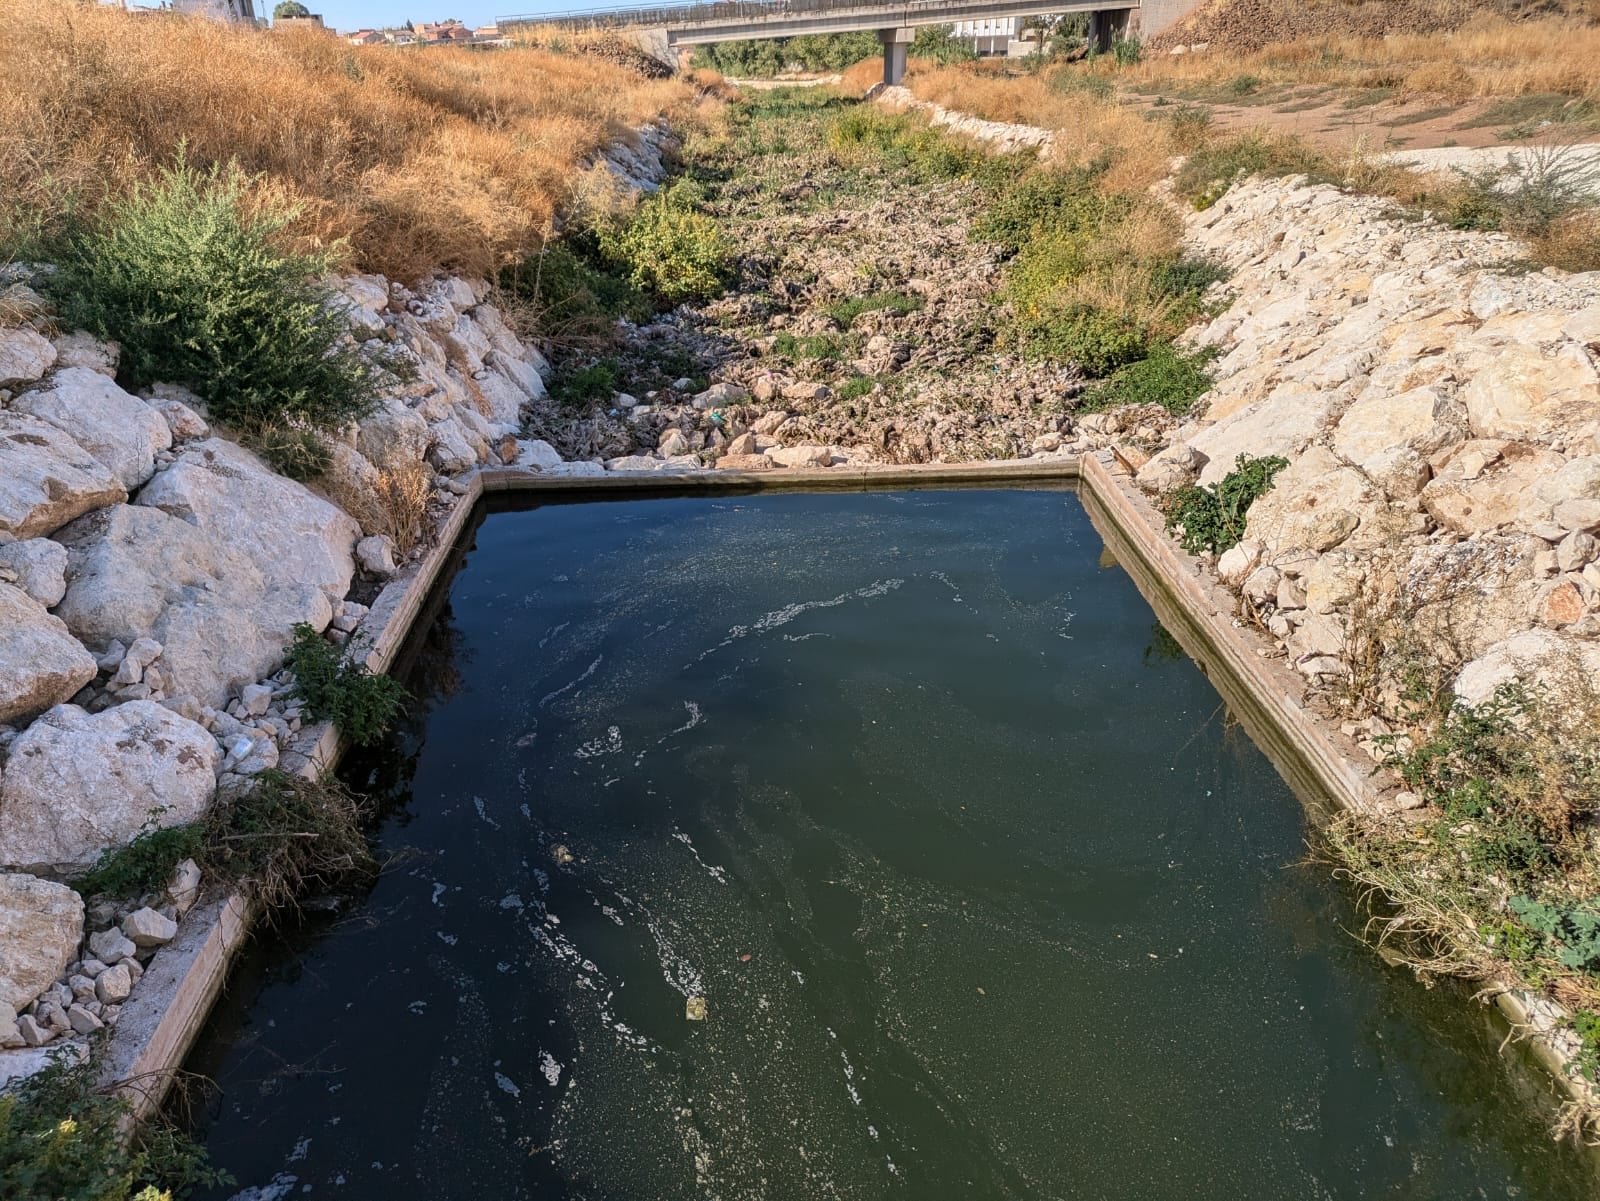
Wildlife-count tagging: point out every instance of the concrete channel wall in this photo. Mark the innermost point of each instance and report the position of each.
(164, 1018)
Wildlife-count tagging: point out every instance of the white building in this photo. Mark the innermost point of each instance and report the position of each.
(989, 37)
(221, 10)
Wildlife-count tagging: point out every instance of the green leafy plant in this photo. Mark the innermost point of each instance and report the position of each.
(1213, 518)
(1166, 377)
(64, 1138)
(670, 249)
(855, 387)
(1587, 1025)
(811, 346)
(937, 42)
(1572, 931)
(1063, 202)
(582, 386)
(146, 863)
(191, 275)
(335, 686)
(1097, 340)
(899, 303)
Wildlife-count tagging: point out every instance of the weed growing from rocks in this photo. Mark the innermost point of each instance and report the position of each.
(335, 686)
(64, 1137)
(1166, 376)
(899, 303)
(145, 864)
(190, 274)
(1213, 518)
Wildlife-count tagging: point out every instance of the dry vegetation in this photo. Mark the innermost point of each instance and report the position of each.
(414, 160)
(1488, 57)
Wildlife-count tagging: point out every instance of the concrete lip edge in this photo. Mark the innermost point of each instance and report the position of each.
(160, 1024)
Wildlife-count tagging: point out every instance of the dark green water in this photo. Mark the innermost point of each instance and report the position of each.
(987, 897)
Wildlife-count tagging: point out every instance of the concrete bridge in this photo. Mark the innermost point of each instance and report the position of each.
(894, 23)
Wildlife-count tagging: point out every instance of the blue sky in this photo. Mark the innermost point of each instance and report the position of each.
(368, 14)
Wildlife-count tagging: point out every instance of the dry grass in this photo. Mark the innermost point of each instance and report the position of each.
(1488, 57)
(402, 494)
(415, 160)
(1086, 126)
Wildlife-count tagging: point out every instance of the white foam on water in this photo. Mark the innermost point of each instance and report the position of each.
(565, 688)
(506, 1084)
(551, 1067)
(438, 891)
(779, 618)
(551, 633)
(482, 807)
(610, 743)
(719, 874)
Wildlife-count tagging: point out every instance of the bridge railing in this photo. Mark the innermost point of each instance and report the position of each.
(689, 16)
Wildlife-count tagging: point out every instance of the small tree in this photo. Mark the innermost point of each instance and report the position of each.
(290, 9)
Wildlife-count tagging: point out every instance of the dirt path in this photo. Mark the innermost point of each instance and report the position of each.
(1373, 119)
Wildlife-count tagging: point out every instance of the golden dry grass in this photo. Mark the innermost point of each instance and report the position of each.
(1489, 57)
(415, 159)
(1086, 126)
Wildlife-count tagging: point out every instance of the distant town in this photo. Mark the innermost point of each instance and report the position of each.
(293, 14)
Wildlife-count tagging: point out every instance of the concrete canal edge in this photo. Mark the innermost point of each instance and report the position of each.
(161, 1022)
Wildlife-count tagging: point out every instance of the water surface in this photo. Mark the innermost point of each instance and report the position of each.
(985, 893)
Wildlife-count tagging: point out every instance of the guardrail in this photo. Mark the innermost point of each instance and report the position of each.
(722, 12)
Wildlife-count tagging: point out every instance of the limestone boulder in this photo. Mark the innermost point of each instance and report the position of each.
(25, 356)
(1518, 389)
(39, 567)
(1316, 504)
(47, 479)
(394, 436)
(41, 663)
(499, 401)
(537, 455)
(1474, 493)
(41, 924)
(81, 349)
(286, 531)
(77, 784)
(1529, 656)
(120, 430)
(185, 423)
(1283, 424)
(223, 615)
(1423, 419)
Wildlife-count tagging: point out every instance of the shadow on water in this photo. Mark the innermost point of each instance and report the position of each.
(989, 894)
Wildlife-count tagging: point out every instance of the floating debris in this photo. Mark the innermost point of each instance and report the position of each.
(694, 1009)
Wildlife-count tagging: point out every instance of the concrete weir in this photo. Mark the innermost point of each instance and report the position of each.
(1320, 764)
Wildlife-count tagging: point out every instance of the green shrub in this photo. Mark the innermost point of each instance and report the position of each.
(190, 275)
(580, 387)
(765, 57)
(62, 1138)
(145, 864)
(1214, 167)
(1066, 202)
(669, 248)
(899, 303)
(335, 686)
(1187, 278)
(854, 388)
(1587, 1025)
(1098, 340)
(1571, 931)
(899, 142)
(575, 296)
(938, 43)
(1127, 51)
(1213, 518)
(1167, 377)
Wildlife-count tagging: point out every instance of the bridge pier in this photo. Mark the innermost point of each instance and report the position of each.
(896, 42)
(1106, 27)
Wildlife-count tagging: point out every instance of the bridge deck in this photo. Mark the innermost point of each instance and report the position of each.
(734, 20)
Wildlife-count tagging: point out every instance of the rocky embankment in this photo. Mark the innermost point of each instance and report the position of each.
(1439, 406)
(152, 571)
